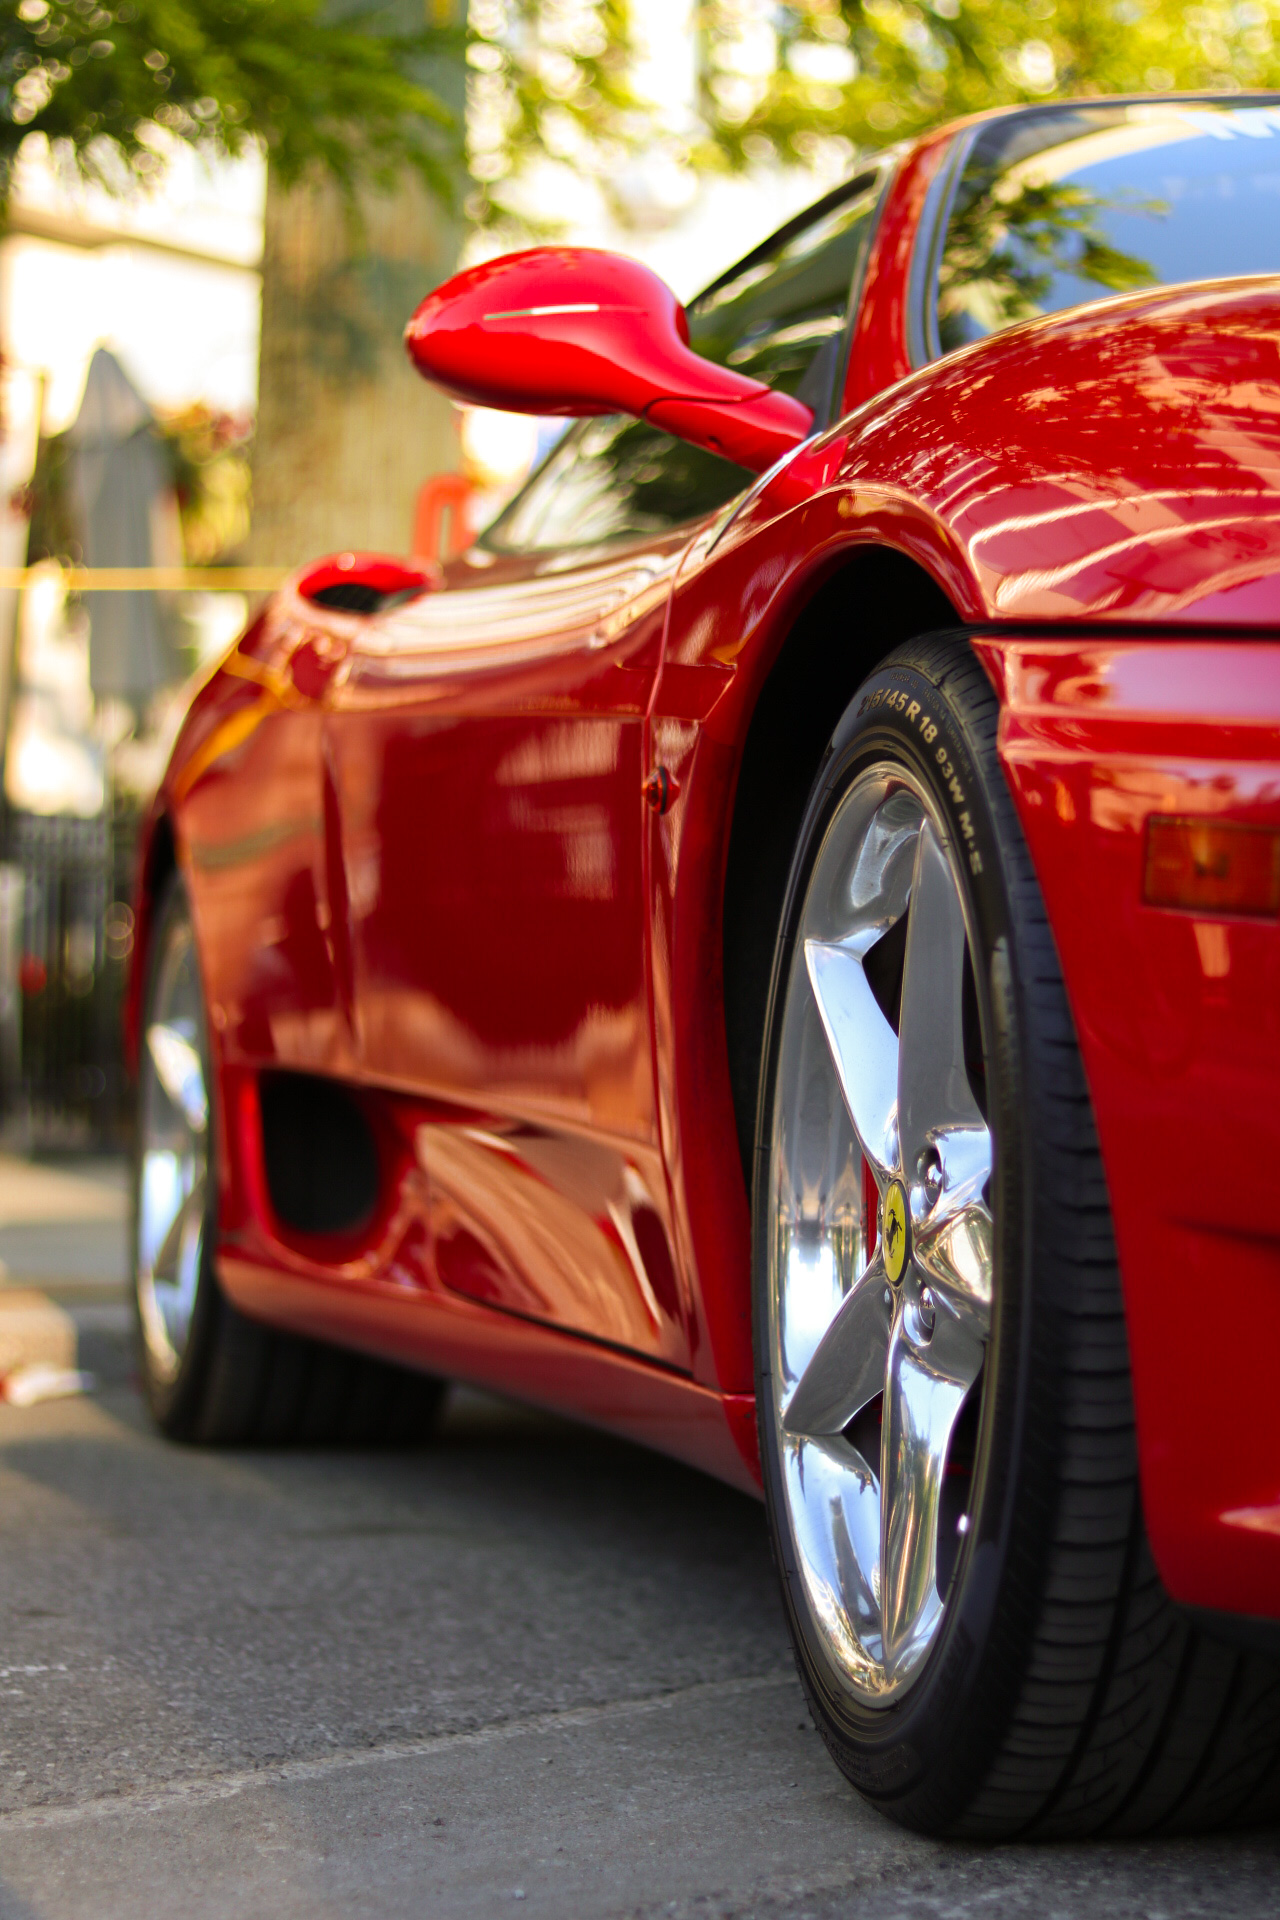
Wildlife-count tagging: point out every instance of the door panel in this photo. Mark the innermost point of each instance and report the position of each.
(487, 750)
(555, 1226)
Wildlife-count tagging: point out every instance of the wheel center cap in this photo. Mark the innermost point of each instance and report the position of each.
(894, 1231)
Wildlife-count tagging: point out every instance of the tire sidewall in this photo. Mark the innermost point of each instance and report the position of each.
(174, 1403)
(924, 1752)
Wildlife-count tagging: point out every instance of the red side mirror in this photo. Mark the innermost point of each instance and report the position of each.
(573, 330)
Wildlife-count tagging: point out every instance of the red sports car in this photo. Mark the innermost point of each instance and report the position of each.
(776, 950)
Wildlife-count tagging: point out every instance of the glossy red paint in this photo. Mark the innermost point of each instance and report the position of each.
(387, 1291)
(1042, 475)
(498, 943)
(1178, 1016)
(879, 357)
(903, 473)
(421, 858)
(573, 330)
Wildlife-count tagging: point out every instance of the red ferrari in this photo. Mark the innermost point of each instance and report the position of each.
(776, 950)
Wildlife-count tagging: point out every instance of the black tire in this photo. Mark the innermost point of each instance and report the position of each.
(240, 1383)
(1065, 1694)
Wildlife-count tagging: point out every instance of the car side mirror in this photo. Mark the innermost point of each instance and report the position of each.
(573, 330)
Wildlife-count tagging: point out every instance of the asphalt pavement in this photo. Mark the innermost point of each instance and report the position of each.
(525, 1670)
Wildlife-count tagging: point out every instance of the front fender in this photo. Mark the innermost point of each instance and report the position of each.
(1176, 1017)
(1118, 463)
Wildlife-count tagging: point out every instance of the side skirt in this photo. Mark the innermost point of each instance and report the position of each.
(462, 1340)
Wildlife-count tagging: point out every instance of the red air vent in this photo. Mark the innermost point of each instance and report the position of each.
(364, 582)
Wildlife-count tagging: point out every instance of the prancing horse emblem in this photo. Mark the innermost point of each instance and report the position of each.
(895, 1232)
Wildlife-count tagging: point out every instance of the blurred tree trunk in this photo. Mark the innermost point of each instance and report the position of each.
(347, 431)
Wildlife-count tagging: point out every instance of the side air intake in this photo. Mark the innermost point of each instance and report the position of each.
(321, 1156)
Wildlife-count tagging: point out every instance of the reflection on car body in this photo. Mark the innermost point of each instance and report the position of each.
(768, 951)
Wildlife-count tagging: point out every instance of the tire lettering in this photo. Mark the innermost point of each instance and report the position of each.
(899, 702)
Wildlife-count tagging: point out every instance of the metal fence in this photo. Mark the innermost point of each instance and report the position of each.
(66, 932)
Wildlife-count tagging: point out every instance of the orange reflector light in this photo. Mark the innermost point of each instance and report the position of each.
(1212, 866)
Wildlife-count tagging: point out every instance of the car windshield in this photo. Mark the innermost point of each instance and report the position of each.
(1058, 206)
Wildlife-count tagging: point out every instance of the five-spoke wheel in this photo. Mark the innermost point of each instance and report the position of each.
(880, 1227)
(945, 1414)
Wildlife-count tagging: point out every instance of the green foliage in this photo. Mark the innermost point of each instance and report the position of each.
(209, 454)
(1005, 248)
(338, 96)
(547, 77)
(781, 79)
(48, 503)
(354, 89)
(363, 89)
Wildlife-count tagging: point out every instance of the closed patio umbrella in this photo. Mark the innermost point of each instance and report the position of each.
(118, 479)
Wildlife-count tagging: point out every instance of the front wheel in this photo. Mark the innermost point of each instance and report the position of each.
(942, 1370)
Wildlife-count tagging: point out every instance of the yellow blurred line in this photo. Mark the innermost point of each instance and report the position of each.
(231, 733)
(153, 579)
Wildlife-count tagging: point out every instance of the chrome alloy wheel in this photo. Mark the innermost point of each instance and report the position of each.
(173, 1158)
(880, 1232)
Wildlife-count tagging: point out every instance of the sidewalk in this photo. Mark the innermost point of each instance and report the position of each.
(64, 1260)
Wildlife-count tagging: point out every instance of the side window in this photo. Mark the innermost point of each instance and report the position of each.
(1057, 206)
(609, 479)
(780, 316)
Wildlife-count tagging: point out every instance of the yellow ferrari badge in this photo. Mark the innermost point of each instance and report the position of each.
(894, 1232)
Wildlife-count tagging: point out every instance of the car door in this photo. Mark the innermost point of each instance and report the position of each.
(486, 750)
(485, 755)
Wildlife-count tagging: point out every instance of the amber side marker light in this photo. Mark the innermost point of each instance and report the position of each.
(1212, 866)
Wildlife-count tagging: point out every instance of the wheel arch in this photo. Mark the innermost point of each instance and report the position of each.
(877, 597)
